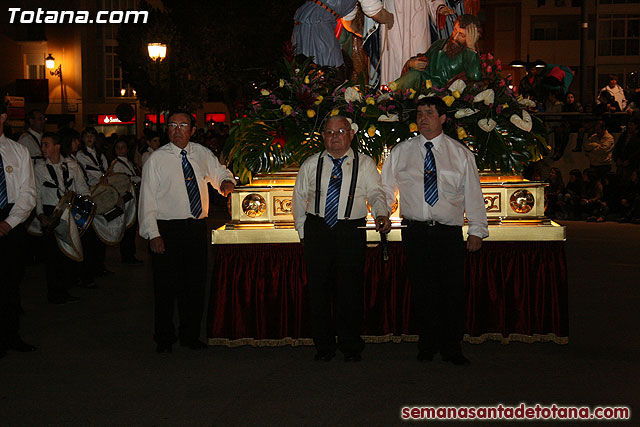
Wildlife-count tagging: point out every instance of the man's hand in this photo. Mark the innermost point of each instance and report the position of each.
(5, 228)
(226, 188)
(383, 224)
(384, 17)
(157, 245)
(472, 36)
(418, 64)
(444, 10)
(474, 243)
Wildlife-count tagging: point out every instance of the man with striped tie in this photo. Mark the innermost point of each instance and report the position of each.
(330, 208)
(438, 182)
(174, 203)
(17, 200)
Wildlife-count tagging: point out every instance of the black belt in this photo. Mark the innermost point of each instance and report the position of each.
(4, 212)
(317, 218)
(179, 221)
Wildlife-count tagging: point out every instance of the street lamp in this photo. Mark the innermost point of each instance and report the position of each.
(157, 53)
(50, 61)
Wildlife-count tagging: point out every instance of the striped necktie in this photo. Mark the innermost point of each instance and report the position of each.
(430, 176)
(333, 193)
(192, 186)
(4, 198)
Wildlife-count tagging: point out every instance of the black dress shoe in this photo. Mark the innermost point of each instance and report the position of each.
(21, 346)
(457, 359)
(425, 356)
(194, 345)
(324, 357)
(352, 357)
(164, 348)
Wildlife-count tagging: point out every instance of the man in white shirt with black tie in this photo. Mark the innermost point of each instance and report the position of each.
(32, 138)
(17, 200)
(437, 179)
(330, 208)
(174, 202)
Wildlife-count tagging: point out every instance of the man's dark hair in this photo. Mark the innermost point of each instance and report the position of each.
(437, 102)
(3, 106)
(189, 114)
(54, 136)
(613, 77)
(466, 19)
(67, 135)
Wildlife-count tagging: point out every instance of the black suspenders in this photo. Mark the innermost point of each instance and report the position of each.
(352, 187)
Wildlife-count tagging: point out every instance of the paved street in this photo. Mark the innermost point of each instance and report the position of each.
(96, 363)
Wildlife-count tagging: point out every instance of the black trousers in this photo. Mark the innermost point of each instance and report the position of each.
(180, 274)
(12, 257)
(435, 264)
(128, 243)
(94, 254)
(335, 267)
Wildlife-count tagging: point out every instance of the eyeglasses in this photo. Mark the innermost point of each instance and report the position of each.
(331, 132)
(178, 125)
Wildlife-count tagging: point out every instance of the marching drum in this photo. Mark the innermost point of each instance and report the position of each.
(120, 181)
(83, 210)
(105, 198)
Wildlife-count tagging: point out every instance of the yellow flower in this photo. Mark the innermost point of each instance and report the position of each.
(393, 86)
(319, 100)
(371, 100)
(264, 92)
(428, 84)
(371, 131)
(363, 109)
(505, 106)
(519, 98)
(311, 113)
(412, 93)
(413, 127)
(448, 100)
(456, 94)
(286, 109)
(281, 83)
(334, 112)
(461, 133)
(306, 80)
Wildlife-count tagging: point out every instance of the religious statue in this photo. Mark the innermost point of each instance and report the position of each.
(446, 59)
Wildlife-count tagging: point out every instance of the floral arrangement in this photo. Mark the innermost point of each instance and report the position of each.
(281, 128)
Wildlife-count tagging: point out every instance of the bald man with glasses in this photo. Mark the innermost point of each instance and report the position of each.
(330, 208)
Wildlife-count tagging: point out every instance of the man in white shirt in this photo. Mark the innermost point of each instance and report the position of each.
(616, 91)
(438, 182)
(330, 208)
(17, 200)
(54, 177)
(33, 136)
(174, 201)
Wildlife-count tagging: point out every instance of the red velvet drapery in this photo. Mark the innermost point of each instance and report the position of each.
(513, 289)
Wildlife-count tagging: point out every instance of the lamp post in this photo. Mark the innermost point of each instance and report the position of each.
(50, 63)
(157, 53)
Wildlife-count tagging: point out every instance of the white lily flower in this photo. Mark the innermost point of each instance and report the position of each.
(487, 96)
(458, 85)
(487, 125)
(352, 95)
(389, 118)
(465, 112)
(527, 102)
(525, 123)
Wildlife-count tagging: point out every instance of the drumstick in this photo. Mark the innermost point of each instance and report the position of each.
(385, 251)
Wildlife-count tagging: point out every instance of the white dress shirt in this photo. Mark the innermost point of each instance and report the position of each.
(368, 189)
(21, 185)
(458, 183)
(163, 192)
(125, 166)
(32, 140)
(618, 94)
(91, 168)
(145, 155)
(48, 195)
